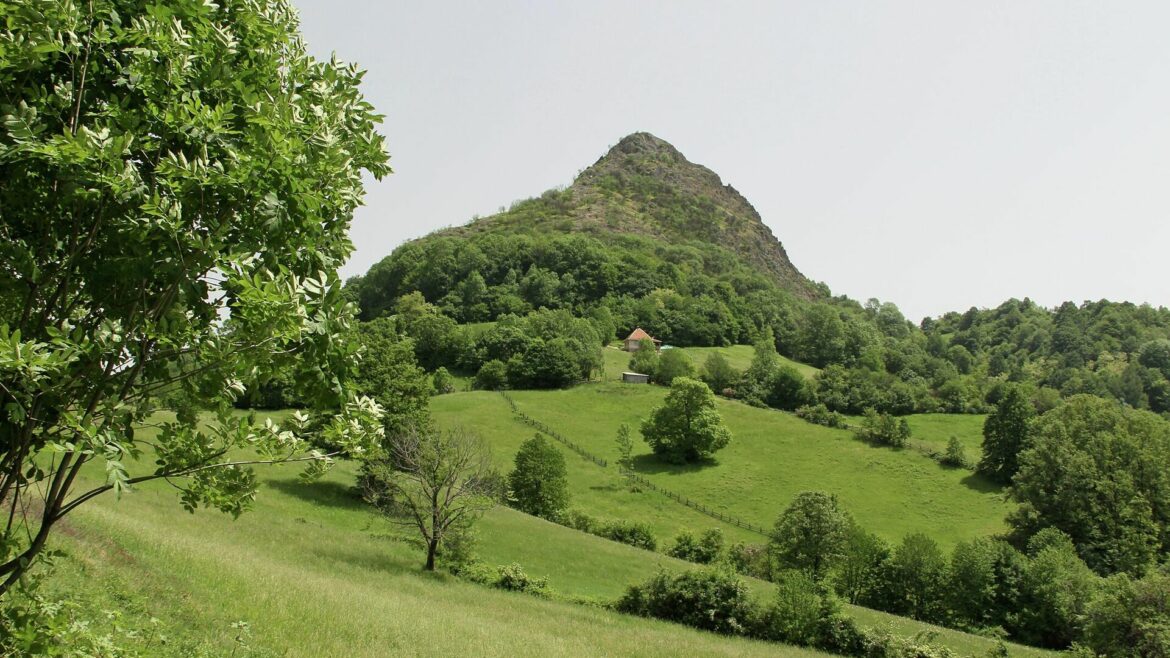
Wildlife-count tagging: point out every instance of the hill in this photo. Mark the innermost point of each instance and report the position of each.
(645, 186)
(311, 571)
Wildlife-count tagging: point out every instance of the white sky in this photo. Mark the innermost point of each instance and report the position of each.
(939, 155)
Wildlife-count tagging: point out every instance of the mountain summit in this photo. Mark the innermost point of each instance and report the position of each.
(645, 186)
(649, 187)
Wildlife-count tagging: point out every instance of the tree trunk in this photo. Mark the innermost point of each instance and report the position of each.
(432, 547)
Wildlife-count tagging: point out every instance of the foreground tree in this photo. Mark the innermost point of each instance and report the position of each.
(539, 482)
(687, 427)
(176, 186)
(435, 481)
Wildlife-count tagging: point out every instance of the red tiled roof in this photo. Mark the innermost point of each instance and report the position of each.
(639, 334)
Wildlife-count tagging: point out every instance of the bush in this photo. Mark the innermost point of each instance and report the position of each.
(492, 376)
(709, 599)
(578, 520)
(807, 614)
(671, 365)
(443, 382)
(883, 429)
(634, 533)
(750, 560)
(955, 456)
(821, 415)
(704, 550)
(513, 578)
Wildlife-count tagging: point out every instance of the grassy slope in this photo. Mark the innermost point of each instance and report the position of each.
(316, 574)
(772, 457)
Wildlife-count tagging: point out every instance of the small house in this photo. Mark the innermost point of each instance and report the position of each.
(635, 378)
(634, 340)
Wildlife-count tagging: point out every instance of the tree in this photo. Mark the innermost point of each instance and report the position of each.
(388, 373)
(915, 577)
(1128, 618)
(811, 534)
(1101, 474)
(1005, 436)
(436, 481)
(176, 187)
(718, 373)
(539, 482)
(625, 447)
(443, 382)
(492, 376)
(955, 456)
(645, 360)
(673, 364)
(858, 569)
(687, 427)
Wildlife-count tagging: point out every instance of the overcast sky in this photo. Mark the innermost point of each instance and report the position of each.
(939, 155)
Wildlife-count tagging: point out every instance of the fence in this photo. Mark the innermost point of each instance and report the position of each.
(634, 477)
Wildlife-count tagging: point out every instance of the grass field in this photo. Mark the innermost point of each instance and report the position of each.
(315, 573)
(772, 457)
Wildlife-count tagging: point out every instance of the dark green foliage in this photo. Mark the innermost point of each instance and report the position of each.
(1130, 618)
(492, 376)
(883, 429)
(858, 571)
(807, 614)
(539, 484)
(710, 599)
(687, 427)
(811, 534)
(671, 365)
(1005, 435)
(1101, 474)
(1054, 593)
(706, 549)
(718, 373)
(915, 579)
(546, 364)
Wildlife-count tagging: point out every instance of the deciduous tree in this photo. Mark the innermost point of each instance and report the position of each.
(687, 427)
(176, 186)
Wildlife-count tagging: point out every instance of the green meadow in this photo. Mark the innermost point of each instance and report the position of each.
(772, 457)
(314, 572)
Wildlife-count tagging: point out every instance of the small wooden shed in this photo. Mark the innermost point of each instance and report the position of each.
(635, 378)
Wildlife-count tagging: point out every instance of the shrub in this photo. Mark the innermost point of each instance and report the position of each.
(443, 382)
(492, 376)
(634, 533)
(578, 520)
(704, 550)
(807, 614)
(883, 429)
(955, 456)
(709, 599)
(513, 578)
(821, 415)
(750, 560)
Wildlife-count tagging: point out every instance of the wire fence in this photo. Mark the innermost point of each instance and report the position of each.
(631, 475)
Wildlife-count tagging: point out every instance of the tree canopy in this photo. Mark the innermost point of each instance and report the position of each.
(687, 427)
(176, 185)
